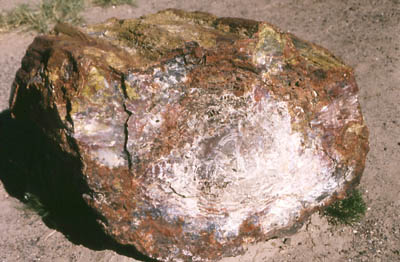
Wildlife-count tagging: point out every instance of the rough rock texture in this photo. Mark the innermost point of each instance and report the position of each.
(195, 135)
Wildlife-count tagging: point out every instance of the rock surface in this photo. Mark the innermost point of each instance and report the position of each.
(195, 135)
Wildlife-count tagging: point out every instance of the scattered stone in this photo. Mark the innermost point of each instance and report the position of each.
(195, 135)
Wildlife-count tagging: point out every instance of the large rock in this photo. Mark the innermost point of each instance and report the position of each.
(195, 135)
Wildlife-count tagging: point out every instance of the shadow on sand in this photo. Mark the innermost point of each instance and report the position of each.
(31, 166)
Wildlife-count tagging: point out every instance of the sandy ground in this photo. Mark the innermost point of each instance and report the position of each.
(364, 33)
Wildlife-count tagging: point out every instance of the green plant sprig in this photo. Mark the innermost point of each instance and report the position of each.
(347, 211)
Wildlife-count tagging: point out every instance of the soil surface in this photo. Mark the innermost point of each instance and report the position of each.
(364, 33)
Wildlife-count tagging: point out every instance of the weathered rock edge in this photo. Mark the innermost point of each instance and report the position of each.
(196, 135)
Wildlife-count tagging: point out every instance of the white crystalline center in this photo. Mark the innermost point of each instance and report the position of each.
(253, 163)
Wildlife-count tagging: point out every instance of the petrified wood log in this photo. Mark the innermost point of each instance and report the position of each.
(196, 135)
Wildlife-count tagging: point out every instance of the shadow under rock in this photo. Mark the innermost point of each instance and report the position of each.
(31, 166)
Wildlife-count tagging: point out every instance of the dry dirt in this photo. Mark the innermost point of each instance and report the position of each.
(364, 33)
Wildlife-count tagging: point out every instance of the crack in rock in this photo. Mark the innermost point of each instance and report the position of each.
(126, 130)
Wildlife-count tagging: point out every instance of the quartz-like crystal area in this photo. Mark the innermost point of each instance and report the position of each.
(196, 135)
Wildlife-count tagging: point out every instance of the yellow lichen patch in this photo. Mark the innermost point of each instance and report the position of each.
(356, 128)
(131, 91)
(95, 79)
(95, 82)
(102, 55)
(271, 40)
(269, 50)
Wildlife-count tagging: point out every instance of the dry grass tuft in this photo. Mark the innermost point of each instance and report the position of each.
(43, 17)
(40, 18)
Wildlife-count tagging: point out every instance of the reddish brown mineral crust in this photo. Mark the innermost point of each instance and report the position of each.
(197, 135)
